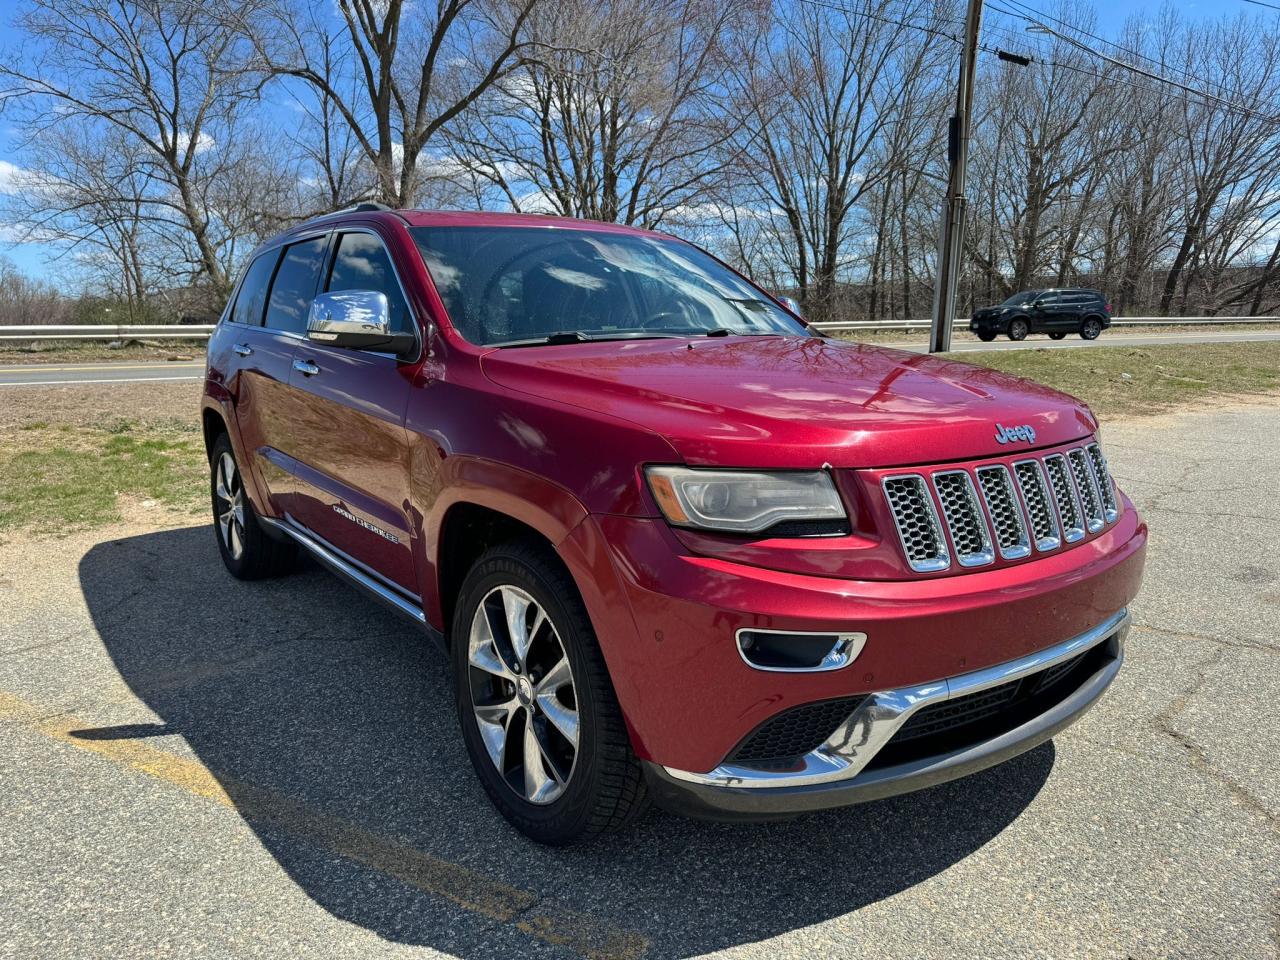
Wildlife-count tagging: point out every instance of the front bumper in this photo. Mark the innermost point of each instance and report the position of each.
(836, 773)
(666, 621)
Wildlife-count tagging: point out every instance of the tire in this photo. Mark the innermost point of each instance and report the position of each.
(986, 336)
(1056, 336)
(1018, 329)
(1091, 328)
(575, 788)
(246, 549)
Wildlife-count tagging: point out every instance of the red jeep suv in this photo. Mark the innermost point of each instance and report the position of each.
(677, 545)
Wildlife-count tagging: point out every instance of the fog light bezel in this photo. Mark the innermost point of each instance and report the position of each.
(845, 648)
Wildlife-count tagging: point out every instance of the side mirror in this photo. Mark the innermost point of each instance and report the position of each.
(355, 320)
(792, 304)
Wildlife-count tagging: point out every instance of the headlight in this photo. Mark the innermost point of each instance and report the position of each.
(740, 501)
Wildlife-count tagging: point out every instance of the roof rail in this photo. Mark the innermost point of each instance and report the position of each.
(368, 206)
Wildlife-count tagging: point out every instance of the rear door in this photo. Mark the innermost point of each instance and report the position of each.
(351, 448)
(275, 408)
(261, 361)
(1072, 309)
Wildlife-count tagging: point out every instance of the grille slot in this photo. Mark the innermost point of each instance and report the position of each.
(917, 523)
(1105, 485)
(1051, 676)
(1035, 494)
(1085, 483)
(794, 732)
(963, 513)
(950, 714)
(1064, 496)
(1006, 515)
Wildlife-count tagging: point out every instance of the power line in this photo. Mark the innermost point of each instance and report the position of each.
(1080, 45)
(1186, 75)
(1204, 95)
(1259, 3)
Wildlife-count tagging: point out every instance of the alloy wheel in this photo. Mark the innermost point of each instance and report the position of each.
(229, 509)
(522, 694)
(1091, 329)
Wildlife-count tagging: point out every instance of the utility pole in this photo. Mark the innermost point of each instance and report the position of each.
(952, 242)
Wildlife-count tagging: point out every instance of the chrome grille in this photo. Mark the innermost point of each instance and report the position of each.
(917, 523)
(1007, 508)
(1044, 520)
(1064, 497)
(1089, 497)
(963, 513)
(1105, 485)
(1006, 515)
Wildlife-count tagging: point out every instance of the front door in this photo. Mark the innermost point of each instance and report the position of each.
(350, 447)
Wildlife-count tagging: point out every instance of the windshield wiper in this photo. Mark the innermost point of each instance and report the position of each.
(577, 336)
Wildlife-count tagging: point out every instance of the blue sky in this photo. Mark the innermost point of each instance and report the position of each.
(34, 258)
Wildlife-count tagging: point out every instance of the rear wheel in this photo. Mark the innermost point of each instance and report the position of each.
(986, 336)
(539, 716)
(1091, 328)
(247, 551)
(1057, 336)
(1018, 329)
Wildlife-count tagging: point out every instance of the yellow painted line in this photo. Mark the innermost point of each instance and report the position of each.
(91, 368)
(466, 888)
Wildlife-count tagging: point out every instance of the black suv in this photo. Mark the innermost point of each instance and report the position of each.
(1056, 312)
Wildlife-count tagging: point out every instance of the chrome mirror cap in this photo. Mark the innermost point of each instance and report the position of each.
(350, 318)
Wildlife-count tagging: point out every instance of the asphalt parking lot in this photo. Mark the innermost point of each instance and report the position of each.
(193, 766)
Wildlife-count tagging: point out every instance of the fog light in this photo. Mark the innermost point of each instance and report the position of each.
(798, 652)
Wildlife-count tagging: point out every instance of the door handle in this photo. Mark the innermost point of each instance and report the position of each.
(306, 368)
(242, 348)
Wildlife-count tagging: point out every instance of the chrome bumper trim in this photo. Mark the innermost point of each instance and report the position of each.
(856, 741)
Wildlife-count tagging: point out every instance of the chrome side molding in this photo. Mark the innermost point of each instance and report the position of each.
(348, 569)
(855, 742)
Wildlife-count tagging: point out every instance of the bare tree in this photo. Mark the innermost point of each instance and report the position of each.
(821, 88)
(166, 75)
(417, 67)
(614, 118)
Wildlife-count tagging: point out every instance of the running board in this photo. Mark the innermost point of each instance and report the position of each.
(345, 568)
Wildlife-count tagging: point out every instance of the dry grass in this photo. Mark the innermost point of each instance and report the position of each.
(55, 351)
(1136, 381)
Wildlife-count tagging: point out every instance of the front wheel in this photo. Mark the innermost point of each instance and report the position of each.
(539, 716)
(1018, 330)
(1091, 328)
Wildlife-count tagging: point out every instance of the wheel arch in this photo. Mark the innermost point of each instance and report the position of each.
(213, 424)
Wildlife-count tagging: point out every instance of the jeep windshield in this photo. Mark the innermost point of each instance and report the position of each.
(527, 286)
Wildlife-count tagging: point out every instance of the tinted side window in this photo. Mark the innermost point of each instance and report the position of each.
(1048, 299)
(253, 290)
(362, 263)
(295, 286)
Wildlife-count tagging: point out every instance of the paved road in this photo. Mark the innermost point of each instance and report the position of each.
(60, 374)
(198, 767)
(1109, 339)
(125, 372)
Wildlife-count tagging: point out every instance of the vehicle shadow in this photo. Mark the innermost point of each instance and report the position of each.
(302, 695)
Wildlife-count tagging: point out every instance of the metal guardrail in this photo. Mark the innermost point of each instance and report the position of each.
(171, 331)
(962, 324)
(80, 331)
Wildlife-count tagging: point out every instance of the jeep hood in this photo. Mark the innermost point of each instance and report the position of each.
(796, 402)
